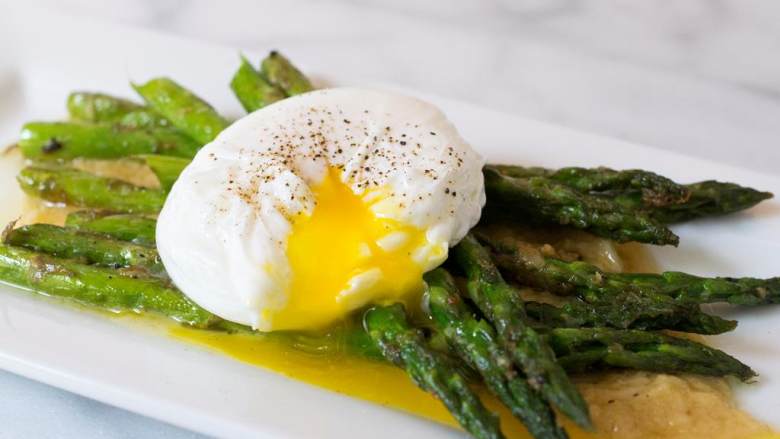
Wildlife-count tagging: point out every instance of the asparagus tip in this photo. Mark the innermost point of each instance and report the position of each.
(7, 229)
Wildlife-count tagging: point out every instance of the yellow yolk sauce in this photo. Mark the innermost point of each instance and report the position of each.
(343, 256)
(373, 381)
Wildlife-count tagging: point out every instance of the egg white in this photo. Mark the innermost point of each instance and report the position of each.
(223, 231)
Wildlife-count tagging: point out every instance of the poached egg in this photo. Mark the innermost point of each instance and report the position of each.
(317, 205)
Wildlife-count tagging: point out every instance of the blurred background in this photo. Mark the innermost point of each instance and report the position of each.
(701, 77)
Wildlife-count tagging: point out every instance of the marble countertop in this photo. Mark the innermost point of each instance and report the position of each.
(701, 77)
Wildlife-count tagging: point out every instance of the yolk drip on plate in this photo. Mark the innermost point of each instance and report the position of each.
(343, 256)
(369, 380)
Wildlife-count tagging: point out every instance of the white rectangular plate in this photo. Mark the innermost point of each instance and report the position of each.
(44, 57)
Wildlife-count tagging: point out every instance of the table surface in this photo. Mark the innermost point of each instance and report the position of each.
(699, 77)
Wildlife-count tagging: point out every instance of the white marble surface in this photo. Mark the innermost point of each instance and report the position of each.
(701, 77)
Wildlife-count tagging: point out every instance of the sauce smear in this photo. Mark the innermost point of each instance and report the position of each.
(373, 381)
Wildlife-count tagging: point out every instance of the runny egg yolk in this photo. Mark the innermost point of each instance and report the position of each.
(342, 256)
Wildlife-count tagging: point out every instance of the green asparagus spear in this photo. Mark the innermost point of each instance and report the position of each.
(540, 199)
(476, 343)
(252, 90)
(104, 288)
(186, 111)
(65, 242)
(67, 140)
(501, 304)
(710, 198)
(77, 188)
(167, 169)
(688, 288)
(280, 72)
(98, 107)
(583, 349)
(124, 227)
(589, 282)
(655, 189)
(70, 140)
(656, 196)
(406, 347)
(632, 311)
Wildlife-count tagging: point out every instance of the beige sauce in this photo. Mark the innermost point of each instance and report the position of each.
(38, 211)
(129, 170)
(648, 405)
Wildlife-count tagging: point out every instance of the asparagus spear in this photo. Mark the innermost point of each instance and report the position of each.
(98, 107)
(583, 349)
(710, 198)
(280, 72)
(167, 169)
(476, 343)
(77, 188)
(406, 347)
(104, 288)
(186, 111)
(501, 304)
(632, 311)
(124, 227)
(655, 189)
(69, 243)
(543, 200)
(595, 285)
(252, 90)
(67, 140)
(658, 197)
(688, 288)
